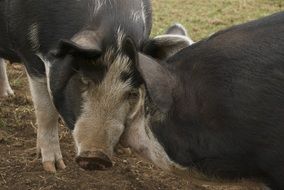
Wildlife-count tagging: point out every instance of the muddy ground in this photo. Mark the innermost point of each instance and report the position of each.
(21, 169)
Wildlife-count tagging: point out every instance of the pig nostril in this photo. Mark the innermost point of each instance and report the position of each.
(94, 161)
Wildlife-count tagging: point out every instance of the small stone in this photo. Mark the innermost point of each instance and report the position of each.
(119, 151)
(18, 144)
(127, 151)
(146, 175)
(3, 136)
(123, 151)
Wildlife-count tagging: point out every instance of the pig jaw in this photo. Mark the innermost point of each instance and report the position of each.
(139, 136)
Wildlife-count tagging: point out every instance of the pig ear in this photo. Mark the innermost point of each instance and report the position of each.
(164, 46)
(129, 48)
(83, 44)
(160, 83)
(177, 29)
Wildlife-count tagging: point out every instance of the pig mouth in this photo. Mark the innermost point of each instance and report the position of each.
(95, 160)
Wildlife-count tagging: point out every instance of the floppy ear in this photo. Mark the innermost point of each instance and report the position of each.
(160, 83)
(164, 46)
(84, 44)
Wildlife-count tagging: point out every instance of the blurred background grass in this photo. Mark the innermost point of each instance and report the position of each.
(204, 17)
(17, 121)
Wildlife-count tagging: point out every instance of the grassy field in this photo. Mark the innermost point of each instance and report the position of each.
(20, 170)
(204, 17)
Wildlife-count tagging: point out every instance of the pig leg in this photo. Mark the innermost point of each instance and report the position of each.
(47, 121)
(5, 88)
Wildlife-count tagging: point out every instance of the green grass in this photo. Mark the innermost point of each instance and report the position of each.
(204, 17)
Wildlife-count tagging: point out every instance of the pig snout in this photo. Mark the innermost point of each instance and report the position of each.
(93, 160)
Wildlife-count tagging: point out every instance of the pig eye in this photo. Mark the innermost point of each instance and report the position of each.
(133, 97)
(85, 83)
(133, 94)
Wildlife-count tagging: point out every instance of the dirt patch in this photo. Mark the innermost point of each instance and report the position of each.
(19, 166)
(3, 136)
(21, 169)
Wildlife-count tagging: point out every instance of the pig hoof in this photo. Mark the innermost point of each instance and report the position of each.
(51, 167)
(94, 161)
(6, 92)
(60, 164)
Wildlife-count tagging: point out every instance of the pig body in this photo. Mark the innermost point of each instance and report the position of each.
(54, 39)
(214, 108)
(218, 106)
